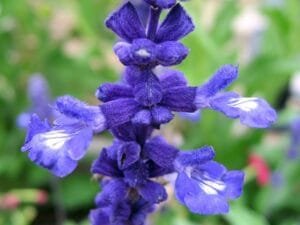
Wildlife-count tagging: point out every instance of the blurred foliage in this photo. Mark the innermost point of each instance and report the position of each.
(68, 43)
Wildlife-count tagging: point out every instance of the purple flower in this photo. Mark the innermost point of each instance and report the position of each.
(155, 97)
(131, 110)
(123, 161)
(253, 112)
(205, 186)
(115, 207)
(59, 147)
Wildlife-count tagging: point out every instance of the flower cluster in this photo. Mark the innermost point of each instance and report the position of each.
(131, 109)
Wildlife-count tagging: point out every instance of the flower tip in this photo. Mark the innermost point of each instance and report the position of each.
(228, 71)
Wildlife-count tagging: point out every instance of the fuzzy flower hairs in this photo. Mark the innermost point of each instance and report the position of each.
(135, 106)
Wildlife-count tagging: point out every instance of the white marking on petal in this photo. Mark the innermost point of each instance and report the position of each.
(55, 139)
(212, 187)
(209, 185)
(245, 104)
(143, 53)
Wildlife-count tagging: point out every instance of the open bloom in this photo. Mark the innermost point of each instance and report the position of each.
(60, 146)
(203, 185)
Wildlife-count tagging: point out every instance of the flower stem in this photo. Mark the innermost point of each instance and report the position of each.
(153, 22)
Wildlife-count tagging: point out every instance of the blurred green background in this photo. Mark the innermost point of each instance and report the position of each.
(67, 42)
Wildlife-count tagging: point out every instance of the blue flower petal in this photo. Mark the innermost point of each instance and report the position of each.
(161, 115)
(207, 204)
(253, 112)
(222, 78)
(73, 108)
(59, 148)
(172, 78)
(234, 183)
(176, 25)
(153, 192)
(205, 187)
(194, 157)
(128, 154)
(180, 99)
(162, 153)
(171, 53)
(147, 89)
(108, 92)
(100, 216)
(142, 117)
(185, 186)
(125, 22)
(119, 111)
(105, 165)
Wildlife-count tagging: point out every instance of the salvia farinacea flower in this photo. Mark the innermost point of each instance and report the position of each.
(131, 109)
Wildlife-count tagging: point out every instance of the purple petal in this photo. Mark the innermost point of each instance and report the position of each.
(185, 186)
(207, 204)
(132, 132)
(108, 92)
(158, 171)
(128, 154)
(132, 74)
(253, 112)
(36, 126)
(125, 22)
(99, 216)
(180, 99)
(158, 150)
(172, 78)
(153, 192)
(193, 116)
(140, 52)
(141, 209)
(123, 50)
(75, 109)
(143, 52)
(194, 157)
(119, 111)
(104, 165)
(211, 169)
(222, 78)
(171, 53)
(147, 90)
(143, 117)
(113, 192)
(136, 174)
(176, 25)
(58, 149)
(165, 4)
(234, 184)
(161, 115)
